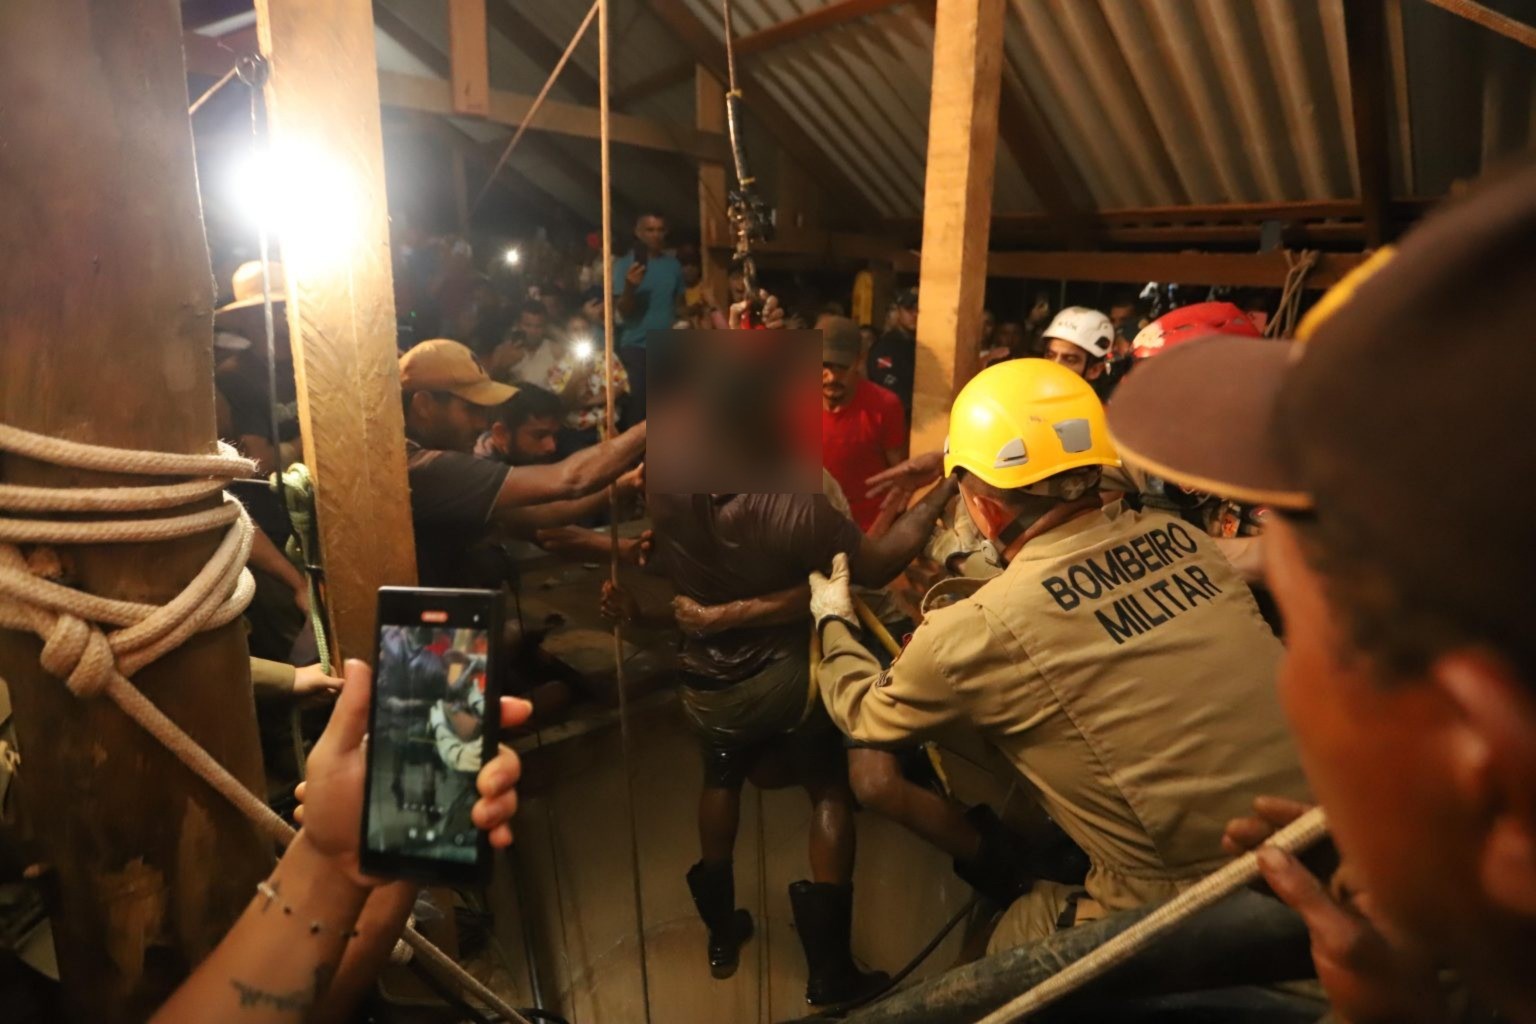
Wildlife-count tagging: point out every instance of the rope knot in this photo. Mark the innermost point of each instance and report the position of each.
(78, 653)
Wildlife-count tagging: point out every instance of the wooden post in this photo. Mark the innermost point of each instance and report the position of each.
(957, 208)
(469, 59)
(1366, 44)
(714, 226)
(882, 279)
(106, 336)
(459, 170)
(323, 109)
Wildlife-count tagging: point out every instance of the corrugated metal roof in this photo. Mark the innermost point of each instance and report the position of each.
(1151, 102)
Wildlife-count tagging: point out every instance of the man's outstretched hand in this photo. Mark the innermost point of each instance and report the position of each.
(912, 475)
(1370, 974)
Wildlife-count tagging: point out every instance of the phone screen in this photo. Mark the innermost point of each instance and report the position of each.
(434, 679)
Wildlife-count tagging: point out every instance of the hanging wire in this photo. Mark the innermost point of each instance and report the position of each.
(613, 499)
(533, 111)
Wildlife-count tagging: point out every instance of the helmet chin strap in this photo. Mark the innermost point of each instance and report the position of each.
(1017, 530)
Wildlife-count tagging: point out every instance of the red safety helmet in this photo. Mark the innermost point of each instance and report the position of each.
(1190, 322)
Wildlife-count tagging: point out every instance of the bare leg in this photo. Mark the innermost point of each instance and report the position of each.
(832, 837)
(719, 816)
(880, 786)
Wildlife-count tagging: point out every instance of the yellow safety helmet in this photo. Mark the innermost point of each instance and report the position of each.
(1019, 422)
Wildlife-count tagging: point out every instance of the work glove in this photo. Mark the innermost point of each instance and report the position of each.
(830, 596)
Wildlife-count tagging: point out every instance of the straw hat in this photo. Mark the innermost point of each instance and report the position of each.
(246, 284)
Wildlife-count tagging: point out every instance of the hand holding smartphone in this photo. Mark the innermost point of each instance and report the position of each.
(432, 723)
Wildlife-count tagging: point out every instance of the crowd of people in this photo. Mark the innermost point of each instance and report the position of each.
(1187, 581)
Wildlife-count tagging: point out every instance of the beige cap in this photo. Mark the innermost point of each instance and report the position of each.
(445, 365)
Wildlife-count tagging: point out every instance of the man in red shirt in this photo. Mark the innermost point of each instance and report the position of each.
(863, 427)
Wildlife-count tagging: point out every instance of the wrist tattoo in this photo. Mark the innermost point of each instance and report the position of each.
(254, 997)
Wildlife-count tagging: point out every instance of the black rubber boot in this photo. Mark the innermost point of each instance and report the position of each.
(714, 893)
(824, 919)
(1000, 871)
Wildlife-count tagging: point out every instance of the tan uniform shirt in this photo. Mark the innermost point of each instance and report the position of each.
(1122, 667)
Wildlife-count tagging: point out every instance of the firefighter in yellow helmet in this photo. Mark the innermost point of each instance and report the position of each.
(1117, 662)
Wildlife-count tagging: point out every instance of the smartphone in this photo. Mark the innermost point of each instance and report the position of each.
(642, 255)
(433, 721)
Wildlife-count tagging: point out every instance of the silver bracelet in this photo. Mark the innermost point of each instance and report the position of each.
(271, 891)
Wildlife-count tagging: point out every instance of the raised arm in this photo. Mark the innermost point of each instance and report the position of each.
(582, 474)
(879, 559)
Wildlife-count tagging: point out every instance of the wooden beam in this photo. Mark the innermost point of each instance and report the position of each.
(1242, 270)
(714, 224)
(148, 865)
(469, 59)
(810, 23)
(519, 30)
(756, 43)
(1366, 43)
(584, 173)
(785, 127)
(323, 104)
(957, 201)
(1031, 141)
(1481, 14)
(431, 96)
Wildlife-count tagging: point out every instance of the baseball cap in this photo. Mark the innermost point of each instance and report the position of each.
(839, 341)
(907, 298)
(445, 365)
(1404, 420)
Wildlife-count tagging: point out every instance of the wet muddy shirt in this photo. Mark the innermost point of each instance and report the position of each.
(727, 547)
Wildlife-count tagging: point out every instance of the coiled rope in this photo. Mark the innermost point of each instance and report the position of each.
(68, 621)
(1211, 889)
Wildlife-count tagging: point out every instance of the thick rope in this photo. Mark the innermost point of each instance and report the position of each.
(1213, 888)
(604, 133)
(94, 663)
(1298, 266)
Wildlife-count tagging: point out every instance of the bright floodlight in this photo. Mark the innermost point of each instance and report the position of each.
(513, 257)
(583, 349)
(305, 199)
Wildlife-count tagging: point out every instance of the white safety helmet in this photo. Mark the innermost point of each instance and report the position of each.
(1086, 328)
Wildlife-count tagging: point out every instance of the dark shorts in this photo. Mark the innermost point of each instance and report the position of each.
(767, 712)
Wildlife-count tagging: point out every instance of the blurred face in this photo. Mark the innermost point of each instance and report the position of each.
(1375, 751)
(691, 274)
(532, 325)
(867, 338)
(836, 383)
(738, 287)
(1120, 314)
(651, 232)
(906, 318)
(1064, 353)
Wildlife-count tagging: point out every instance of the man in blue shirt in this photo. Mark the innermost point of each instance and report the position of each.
(648, 288)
